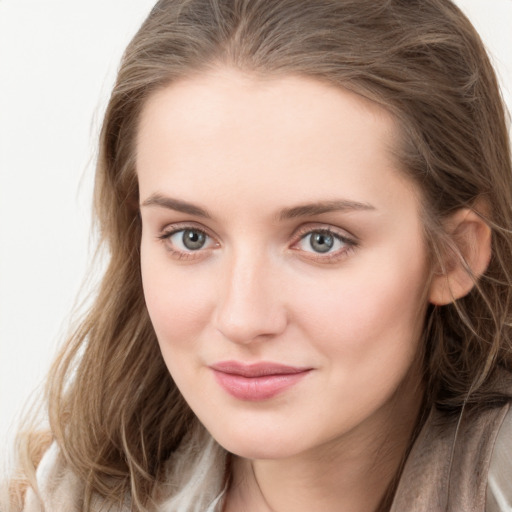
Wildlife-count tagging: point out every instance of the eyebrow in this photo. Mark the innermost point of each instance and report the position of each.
(304, 210)
(176, 205)
(323, 207)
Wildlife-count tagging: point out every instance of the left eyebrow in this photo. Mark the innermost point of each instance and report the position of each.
(323, 207)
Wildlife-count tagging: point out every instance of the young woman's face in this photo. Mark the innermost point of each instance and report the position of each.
(283, 262)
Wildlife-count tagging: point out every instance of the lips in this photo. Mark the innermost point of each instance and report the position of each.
(256, 382)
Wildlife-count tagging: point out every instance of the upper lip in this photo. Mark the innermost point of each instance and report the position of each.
(260, 369)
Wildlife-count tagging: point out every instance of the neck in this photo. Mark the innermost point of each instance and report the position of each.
(354, 472)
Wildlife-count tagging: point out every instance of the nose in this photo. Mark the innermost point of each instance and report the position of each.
(250, 306)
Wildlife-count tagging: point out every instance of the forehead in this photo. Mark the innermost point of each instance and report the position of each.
(259, 136)
(227, 98)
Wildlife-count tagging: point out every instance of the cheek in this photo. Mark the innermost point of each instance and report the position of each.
(177, 301)
(367, 309)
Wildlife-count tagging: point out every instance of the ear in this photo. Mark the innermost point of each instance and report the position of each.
(465, 261)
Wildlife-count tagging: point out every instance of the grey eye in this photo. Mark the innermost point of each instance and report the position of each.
(193, 239)
(188, 240)
(321, 242)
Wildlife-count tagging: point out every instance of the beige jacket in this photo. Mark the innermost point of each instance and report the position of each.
(458, 465)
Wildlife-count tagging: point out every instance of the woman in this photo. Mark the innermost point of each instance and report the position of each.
(307, 207)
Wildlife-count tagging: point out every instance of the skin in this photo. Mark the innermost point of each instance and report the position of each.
(248, 152)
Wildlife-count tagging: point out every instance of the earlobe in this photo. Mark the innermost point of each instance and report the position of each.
(466, 259)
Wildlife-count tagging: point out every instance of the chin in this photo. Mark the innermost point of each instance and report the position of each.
(259, 450)
(259, 443)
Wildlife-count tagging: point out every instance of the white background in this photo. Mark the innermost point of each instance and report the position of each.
(57, 63)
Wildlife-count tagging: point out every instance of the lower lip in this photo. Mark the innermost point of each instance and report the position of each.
(257, 388)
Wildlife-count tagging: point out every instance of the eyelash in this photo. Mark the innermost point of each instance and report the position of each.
(349, 243)
(166, 235)
(328, 257)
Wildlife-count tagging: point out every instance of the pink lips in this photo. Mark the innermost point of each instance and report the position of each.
(259, 381)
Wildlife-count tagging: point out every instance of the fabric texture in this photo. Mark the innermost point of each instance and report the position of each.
(461, 464)
(448, 465)
(499, 488)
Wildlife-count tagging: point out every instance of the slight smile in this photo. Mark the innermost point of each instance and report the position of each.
(255, 382)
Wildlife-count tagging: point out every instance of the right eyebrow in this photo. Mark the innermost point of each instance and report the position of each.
(175, 204)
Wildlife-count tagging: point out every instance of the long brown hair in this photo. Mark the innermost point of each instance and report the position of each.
(113, 407)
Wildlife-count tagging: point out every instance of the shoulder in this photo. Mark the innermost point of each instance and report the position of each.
(499, 486)
(196, 477)
(451, 461)
(58, 488)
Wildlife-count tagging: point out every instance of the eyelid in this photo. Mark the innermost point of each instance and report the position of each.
(178, 226)
(343, 234)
